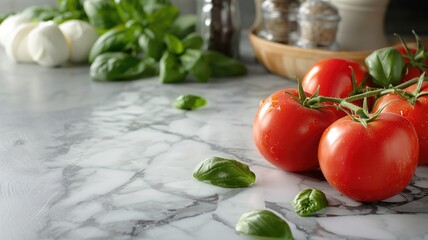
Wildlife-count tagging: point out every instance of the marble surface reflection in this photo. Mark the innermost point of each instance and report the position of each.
(86, 160)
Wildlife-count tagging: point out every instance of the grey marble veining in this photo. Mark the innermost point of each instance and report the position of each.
(87, 160)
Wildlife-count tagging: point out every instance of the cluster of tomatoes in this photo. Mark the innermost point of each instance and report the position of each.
(367, 153)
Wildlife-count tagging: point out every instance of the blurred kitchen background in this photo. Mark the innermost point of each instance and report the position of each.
(402, 15)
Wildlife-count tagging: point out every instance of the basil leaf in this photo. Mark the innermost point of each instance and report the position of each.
(224, 172)
(40, 13)
(102, 14)
(115, 66)
(119, 39)
(130, 10)
(263, 224)
(309, 201)
(151, 6)
(69, 5)
(173, 44)
(163, 16)
(65, 16)
(196, 64)
(151, 3)
(171, 70)
(189, 102)
(151, 43)
(193, 41)
(386, 66)
(223, 66)
(184, 25)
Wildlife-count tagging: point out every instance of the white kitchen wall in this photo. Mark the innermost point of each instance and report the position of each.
(186, 6)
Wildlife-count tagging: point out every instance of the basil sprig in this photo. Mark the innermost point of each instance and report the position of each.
(157, 32)
(223, 66)
(309, 201)
(115, 66)
(102, 14)
(224, 172)
(263, 224)
(386, 66)
(189, 102)
(119, 39)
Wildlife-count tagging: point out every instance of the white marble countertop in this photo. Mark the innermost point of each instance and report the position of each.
(87, 160)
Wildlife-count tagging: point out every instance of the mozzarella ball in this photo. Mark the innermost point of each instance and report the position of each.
(47, 45)
(80, 37)
(9, 25)
(17, 45)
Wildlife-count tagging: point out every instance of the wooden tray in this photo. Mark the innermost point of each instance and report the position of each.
(293, 62)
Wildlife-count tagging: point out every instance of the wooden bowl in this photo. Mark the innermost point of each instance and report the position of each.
(293, 62)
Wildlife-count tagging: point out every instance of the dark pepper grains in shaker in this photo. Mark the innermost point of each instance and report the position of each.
(222, 29)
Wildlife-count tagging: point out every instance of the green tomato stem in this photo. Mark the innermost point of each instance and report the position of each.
(370, 93)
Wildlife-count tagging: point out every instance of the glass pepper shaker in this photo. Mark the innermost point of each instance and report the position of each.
(318, 22)
(277, 23)
(220, 25)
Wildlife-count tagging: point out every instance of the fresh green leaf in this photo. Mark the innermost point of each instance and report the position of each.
(130, 10)
(193, 41)
(173, 44)
(224, 66)
(115, 66)
(119, 39)
(102, 14)
(201, 70)
(171, 70)
(264, 224)
(309, 201)
(65, 16)
(189, 58)
(151, 5)
(163, 16)
(152, 44)
(386, 66)
(196, 64)
(40, 13)
(189, 102)
(184, 25)
(69, 5)
(224, 172)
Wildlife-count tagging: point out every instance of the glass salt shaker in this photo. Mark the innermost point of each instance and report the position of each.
(276, 24)
(292, 21)
(318, 22)
(219, 24)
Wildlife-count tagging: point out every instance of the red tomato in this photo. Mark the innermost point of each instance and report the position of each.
(369, 163)
(287, 133)
(417, 115)
(333, 76)
(410, 72)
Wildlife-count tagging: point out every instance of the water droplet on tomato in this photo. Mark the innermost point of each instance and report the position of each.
(274, 103)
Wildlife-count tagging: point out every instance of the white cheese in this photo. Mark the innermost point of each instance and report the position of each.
(47, 45)
(80, 37)
(17, 45)
(9, 25)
